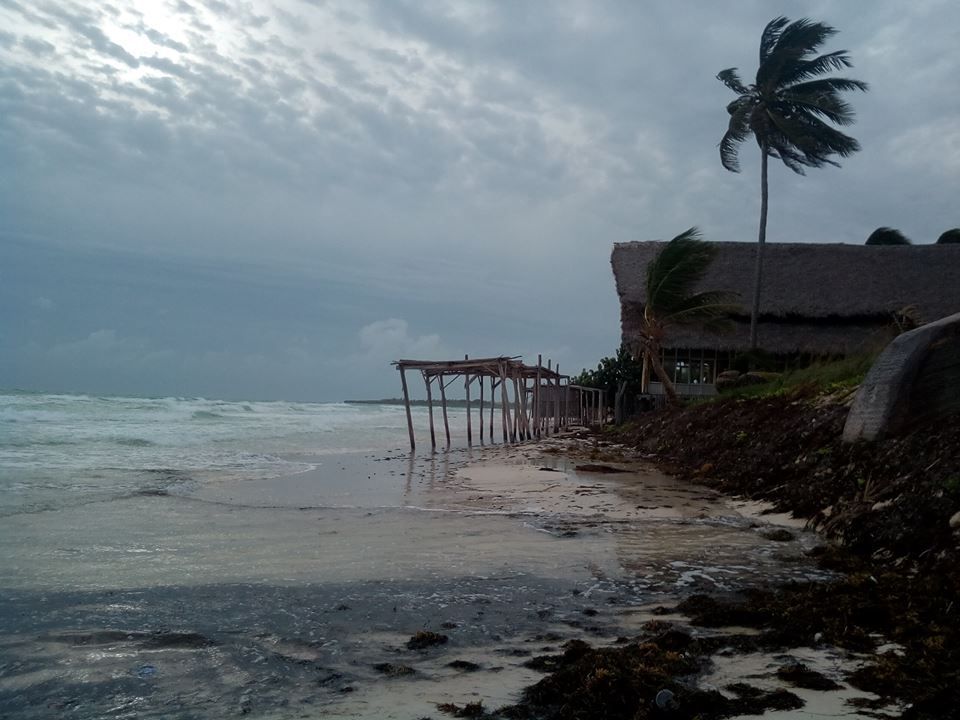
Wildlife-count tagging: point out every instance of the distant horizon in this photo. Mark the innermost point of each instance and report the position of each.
(134, 396)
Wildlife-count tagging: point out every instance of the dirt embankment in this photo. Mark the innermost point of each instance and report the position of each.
(887, 507)
(890, 509)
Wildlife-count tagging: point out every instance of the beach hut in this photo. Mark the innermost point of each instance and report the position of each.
(823, 300)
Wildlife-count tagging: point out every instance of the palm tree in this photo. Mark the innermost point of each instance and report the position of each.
(949, 237)
(787, 110)
(670, 300)
(887, 236)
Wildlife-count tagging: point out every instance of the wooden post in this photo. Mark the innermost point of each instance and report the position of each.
(603, 406)
(466, 385)
(546, 420)
(406, 403)
(428, 381)
(536, 399)
(561, 401)
(525, 428)
(480, 378)
(556, 401)
(443, 404)
(504, 404)
(493, 403)
(515, 434)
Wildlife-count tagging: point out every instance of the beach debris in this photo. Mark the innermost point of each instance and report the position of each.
(599, 468)
(636, 680)
(665, 700)
(778, 535)
(423, 639)
(955, 521)
(463, 666)
(393, 669)
(801, 676)
(470, 710)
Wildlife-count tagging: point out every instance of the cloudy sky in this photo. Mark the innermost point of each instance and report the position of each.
(275, 198)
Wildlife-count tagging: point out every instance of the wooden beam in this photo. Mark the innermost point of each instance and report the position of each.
(493, 402)
(406, 403)
(523, 408)
(556, 402)
(480, 378)
(516, 408)
(504, 404)
(536, 399)
(466, 386)
(561, 401)
(433, 436)
(549, 413)
(443, 404)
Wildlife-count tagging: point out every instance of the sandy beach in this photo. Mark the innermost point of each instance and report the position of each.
(297, 597)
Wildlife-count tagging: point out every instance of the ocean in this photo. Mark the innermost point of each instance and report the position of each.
(188, 557)
(58, 450)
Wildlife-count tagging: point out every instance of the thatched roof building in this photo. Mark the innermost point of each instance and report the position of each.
(816, 299)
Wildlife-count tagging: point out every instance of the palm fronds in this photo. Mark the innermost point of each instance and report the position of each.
(674, 273)
(789, 106)
(887, 236)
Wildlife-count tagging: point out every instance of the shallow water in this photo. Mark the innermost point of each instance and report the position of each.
(214, 593)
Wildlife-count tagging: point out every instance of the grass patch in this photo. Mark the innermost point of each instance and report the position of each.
(826, 376)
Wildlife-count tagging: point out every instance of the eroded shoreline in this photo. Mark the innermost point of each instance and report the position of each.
(238, 599)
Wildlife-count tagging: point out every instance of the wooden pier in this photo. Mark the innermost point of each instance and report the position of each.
(533, 400)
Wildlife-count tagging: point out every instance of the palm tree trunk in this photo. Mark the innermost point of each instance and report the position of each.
(661, 373)
(761, 240)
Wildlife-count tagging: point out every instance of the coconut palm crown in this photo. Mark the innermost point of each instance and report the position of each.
(949, 237)
(789, 106)
(887, 236)
(789, 110)
(670, 298)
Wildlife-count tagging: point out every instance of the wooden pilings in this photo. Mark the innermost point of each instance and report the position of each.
(406, 403)
(533, 399)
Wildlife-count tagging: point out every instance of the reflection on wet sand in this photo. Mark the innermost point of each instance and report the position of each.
(225, 597)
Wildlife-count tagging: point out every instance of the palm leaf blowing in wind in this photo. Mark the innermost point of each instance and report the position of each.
(670, 298)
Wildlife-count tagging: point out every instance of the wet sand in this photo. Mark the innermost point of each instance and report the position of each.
(282, 599)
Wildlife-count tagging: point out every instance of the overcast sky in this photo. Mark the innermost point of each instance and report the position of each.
(275, 198)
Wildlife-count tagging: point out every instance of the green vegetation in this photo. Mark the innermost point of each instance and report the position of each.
(787, 110)
(949, 237)
(887, 236)
(612, 372)
(828, 376)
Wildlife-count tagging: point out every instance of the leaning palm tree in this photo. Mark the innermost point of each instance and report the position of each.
(887, 236)
(670, 300)
(787, 110)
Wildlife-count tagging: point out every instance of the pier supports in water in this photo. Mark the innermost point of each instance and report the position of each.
(540, 402)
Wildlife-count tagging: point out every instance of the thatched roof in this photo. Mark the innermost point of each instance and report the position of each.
(816, 298)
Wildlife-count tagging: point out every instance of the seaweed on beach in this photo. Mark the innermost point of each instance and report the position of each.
(423, 639)
(889, 508)
(643, 679)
